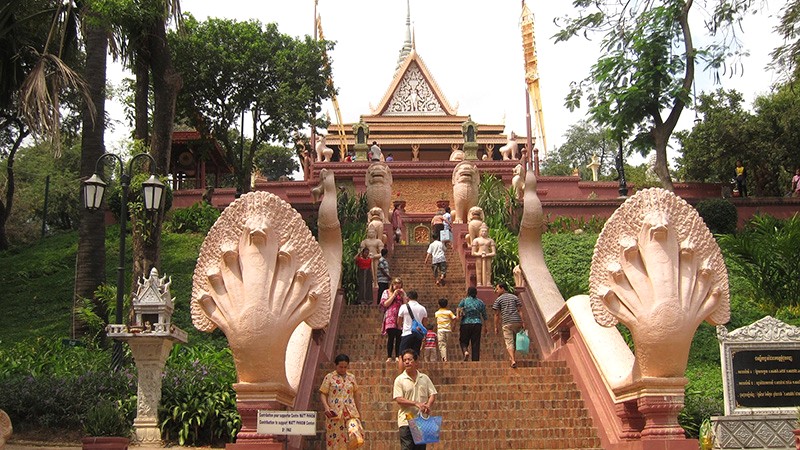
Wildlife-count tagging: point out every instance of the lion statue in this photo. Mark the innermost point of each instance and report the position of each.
(324, 153)
(518, 181)
(379, 188)
(375, 221)
(509, 151)
(465, 190)
(474, 224)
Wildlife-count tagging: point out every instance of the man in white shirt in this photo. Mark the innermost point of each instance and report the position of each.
(438, 260)
(375, 152)
(407, 338)
(415, 393)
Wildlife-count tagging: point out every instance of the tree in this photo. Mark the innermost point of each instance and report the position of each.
(274, 162)
(234, 68)
(36, 46)
(647, 64)
(785, 57)
(711, 148)
(765, 140)
(583, 139)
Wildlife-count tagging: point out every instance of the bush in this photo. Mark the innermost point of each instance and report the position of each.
(569, 258)
(106, 419)
(719, 215)
(198, 218)
(198, 404)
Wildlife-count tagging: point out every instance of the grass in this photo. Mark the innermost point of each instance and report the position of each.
(38, 283)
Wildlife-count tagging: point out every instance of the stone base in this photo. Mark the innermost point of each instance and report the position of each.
(256, 446)
(754, 431)
(146, 431)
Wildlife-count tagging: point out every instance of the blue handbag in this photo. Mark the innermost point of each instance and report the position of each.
(523, 342)
(425, 430)
(417, 329)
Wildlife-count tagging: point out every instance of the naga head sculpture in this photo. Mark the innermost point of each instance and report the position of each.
(259, 276)
(657, 269)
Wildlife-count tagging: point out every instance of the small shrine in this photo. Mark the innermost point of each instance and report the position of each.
(150, 338)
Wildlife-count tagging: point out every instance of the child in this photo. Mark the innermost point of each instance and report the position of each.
(444, 320)
(430, 345)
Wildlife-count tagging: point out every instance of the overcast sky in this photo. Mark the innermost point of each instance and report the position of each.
(472, 48)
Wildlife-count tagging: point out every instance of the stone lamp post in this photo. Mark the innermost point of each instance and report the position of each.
(150, 338)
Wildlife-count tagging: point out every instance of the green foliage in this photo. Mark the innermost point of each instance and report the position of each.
(569, 257)
(507, 255)
(583, 139)
(646, 65)
(96, 314)
(44, 384)
(33, 165)
(765, 253)
(500, 205)
(352, 211)
(564, 224)
(106, 419)
(274, 162)
(719, 215)
(230, 67)
(198, 218)
(198, 403)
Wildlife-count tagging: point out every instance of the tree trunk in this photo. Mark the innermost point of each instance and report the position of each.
(661, 138)
(166, 84)
(5, 207)
(142, 96)
(90, 265)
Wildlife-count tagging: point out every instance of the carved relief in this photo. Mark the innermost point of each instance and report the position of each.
(414, 95)
(415, 152)
(657, 269)
(465, 190)
(456, 154)
(767, 329)
(260, 275)
(379, 189)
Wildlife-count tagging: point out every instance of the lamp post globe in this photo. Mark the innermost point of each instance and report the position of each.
(152, 192)
(93, 190)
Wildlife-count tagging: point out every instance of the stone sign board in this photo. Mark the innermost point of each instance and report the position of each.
(761, 386)
(761, 367)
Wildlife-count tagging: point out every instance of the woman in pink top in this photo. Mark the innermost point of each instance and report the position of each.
(391, 300)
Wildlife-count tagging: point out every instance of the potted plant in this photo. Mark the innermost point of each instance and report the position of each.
(106, 428)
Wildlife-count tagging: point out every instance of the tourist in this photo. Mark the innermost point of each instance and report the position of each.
(415, 393)
(438, 261)
(472, 313)
(430, 344)
(412, 307)
(397, 222)
(437, 224)
(508, 307)
(383, 273)
(447, 221)
(375, 152)
(741, 179)
(391, 301)
(340, 397)
(444, 326)
(389, 158)
(796, 184)
(364, 277)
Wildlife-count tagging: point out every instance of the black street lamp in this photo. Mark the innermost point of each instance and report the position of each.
(93, 191)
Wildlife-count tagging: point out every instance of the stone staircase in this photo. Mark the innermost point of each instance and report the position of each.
(484, 404)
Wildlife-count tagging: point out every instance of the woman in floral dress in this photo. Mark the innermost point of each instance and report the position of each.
(340, 398)
(391, 301)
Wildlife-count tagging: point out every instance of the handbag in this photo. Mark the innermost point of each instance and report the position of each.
(445, 235)
(355, 433)
(425, 430)
(417, 329)
(523, 341)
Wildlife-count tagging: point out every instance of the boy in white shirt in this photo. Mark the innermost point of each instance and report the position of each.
(438, 260)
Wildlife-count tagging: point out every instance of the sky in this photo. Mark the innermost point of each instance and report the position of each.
(472, 48)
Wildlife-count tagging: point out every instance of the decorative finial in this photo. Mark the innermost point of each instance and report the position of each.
(407, 44)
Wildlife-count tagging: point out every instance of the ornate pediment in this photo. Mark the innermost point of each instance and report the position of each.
(768, 329)
(414, 92)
